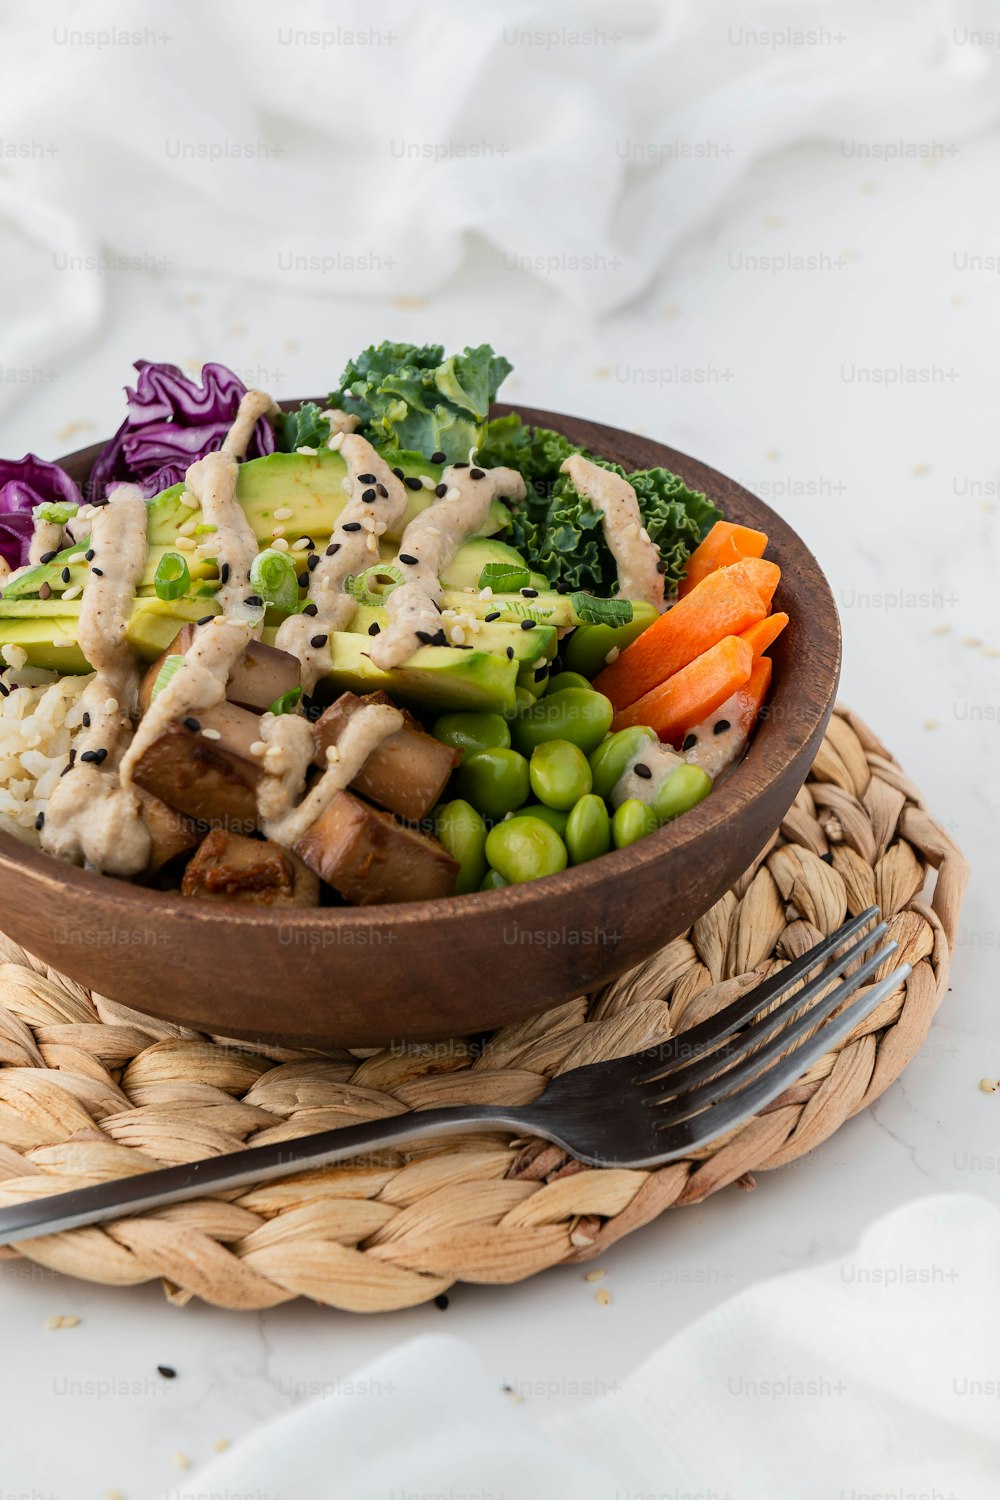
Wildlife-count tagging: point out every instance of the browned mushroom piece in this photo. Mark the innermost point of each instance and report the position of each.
(203, 767)
(171, 833)
(406, 773)
(254, 872)
(368, 857)
(261, 676)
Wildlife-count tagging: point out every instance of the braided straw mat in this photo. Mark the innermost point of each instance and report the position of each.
(91, 1090)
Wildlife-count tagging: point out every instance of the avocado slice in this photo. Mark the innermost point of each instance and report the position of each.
(47, 629)
(465, 568)
(435, 677)
(527, 645)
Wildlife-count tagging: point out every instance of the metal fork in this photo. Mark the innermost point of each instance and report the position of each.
(638, 1111)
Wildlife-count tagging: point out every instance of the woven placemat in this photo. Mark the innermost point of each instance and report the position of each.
(91, 1090)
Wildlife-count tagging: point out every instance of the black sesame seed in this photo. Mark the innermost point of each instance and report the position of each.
(45, 591)
(374, 628)
(721, 726)
(72, 756)
(303, 579)
(529, 593)
(541, 673)
(440, 490)
(661, 566)
(333, 547)
(690, 741)
(312, 561)
(438, 457)
(510, 653)
(528, 624)
(98, 572)
(382, 490)
(641, 769)
(86, 721)
(412, 483)
(477, 473)
(47, 557)
(96, 756)
(441, 1301)
(351, 526)
(253, 600)
(310, 608)
(368, 496)
(494, 614)
(89, 555)
(193, 724)
(65, 575)
(66, 769)
(440, 639)
(317, 641)
(206, 619)
(426, 636)
(224, 573)
(462, 465)
(366, 478)
(407, 557)
(167, 1371)
(309, 544)
(40, 822)
(398, 473)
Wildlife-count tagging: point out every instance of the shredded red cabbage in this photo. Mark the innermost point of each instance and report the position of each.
(25, 483)
(172, 420)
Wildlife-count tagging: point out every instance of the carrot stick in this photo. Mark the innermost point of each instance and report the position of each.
(724, 603)
(726, 543)
(750, 698)
(693, 693)
(764, 633)
(764, 576)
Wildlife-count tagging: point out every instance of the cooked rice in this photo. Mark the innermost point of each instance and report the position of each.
(39, 720)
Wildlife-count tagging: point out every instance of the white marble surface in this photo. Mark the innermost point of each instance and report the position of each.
(896, 491)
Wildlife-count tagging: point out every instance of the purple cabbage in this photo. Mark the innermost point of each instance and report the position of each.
(25, 483)
(171, 422)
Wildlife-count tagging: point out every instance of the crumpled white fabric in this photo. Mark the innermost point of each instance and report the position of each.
(875, 1375)
(357, 149)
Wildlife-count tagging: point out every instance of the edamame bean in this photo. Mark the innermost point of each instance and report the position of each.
(559, 774)
(472, 732)
(582, 717)
(463, 833)
(588, 648)
(608, 762)
(680, 791)
(522, 700)
(550, 815)
(494, 781)
(631, 822)
(493, 881)
(588, 830)
(524, 848)
(563, 680)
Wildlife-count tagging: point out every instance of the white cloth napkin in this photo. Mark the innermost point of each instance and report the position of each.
(356, 150)
(876, 1375)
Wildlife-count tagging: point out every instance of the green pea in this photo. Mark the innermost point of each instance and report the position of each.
(559, 774)
(522, 700)
(472, 731)
(588, 648)
(494, 781)
(524, 848)
(609, 760)
(463, 833)
(631, 822)
(683, 789)
(588, 830)
(582, 717)
(563, 680)
(550, 815)
(493, 881)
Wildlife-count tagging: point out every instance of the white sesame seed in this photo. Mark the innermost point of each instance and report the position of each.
(335, 440)
(211, 734)
(279, 543)
(332, 754)
(427, 483)
(302, 544)
(259, 747)
(310, 452)
(111, 705)
(185, 544)
(432, 531)
(187, 528)
(74, 592)
(612, 655)
(278, 531)
(191, 501)
(453, 494)
(60, 645)
(644, 533)
(458, 636)
(284, 513)
(632, 529)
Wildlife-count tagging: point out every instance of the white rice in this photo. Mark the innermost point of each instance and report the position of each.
(39, 720)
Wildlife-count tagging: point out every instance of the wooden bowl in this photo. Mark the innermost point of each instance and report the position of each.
(368, 976)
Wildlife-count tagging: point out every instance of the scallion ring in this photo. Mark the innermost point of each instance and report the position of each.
(164, 675)
(172, 578)
(366, 586)
(601, 611)
(272, 577)
(287, 702)
(504, 578)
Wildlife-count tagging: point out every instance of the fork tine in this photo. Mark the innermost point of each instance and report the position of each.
(690, 1102)
(712, 1123)
(716, 1028)
(680, 1079)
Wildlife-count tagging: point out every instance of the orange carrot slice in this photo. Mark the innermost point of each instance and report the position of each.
(724, 603)
(764, 633)
(726, 543)
(764, 576)
(693, 693)
(750, 698)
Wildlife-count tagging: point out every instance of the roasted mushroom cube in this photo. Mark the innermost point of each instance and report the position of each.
(406, 773)
(203, 767)
(255, 872)
(261, 676)
(172, 834)
(368, 857)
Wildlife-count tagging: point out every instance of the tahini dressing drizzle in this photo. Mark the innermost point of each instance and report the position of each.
(621, 520)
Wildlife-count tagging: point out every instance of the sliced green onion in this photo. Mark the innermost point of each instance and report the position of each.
(602, 611)
(287, 702)
(365, 586)
(272, 576)
(504, 578)
(56, 511)
(172, 578)
(164, 675)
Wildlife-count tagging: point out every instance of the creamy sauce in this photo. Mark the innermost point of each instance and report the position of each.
(432, 538)
(290, 747)
(350, 551)
(90, 816)
(212, 480)
(621, 520)
(716, 753)
(659, 759)
(47, 536)
(340, 422)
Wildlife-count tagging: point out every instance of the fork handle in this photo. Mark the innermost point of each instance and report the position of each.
(57, 1212)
